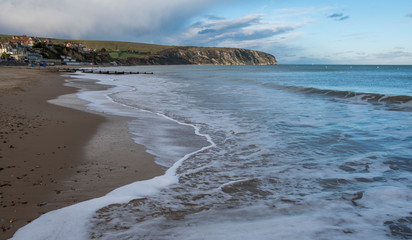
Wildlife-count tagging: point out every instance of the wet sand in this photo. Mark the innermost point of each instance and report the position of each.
(53, 156)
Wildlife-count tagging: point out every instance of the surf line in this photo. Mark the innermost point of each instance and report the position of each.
(98, 106)
(172, 171)
(59, 224)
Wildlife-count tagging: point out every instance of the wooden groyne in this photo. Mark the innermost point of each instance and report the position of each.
(101, 71)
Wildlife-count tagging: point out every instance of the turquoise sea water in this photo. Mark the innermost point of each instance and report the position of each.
(276, 152)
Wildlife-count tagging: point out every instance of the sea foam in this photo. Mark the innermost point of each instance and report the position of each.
(294, 155)
(72, 222)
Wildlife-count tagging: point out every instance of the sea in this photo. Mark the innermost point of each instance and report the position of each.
(254, 152)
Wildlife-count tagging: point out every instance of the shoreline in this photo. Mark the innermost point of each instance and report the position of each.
(40, 169)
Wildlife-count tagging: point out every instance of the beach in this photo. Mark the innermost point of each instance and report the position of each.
(251, 152)
(53, 156)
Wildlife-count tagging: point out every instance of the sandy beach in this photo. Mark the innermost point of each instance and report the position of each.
(53, 156)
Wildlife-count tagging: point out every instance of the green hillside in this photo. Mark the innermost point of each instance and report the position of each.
(4, 38)
(116, 49)
(119, 47)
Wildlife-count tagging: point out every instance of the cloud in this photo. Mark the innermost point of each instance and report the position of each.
(220, 26)
(213, 17)
(215, 31)
(393, 54)
(99, 19)
(338, 17)
(409, 15)
(358, 36)
(343, 18)
(309, 60)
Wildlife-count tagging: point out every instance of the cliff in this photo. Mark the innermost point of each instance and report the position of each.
(205, 55)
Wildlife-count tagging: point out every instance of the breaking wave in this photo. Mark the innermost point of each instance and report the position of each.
(401, 102)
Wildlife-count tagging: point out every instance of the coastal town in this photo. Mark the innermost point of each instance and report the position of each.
(21, 50)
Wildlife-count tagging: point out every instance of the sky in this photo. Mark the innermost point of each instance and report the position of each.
(294, 31)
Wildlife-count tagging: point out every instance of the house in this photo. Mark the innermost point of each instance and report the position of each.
(80, 47)
(68, 60)
(73, 45)
(3, 48)
(20, 52)
(83, 49)
(15, 48)
(51, 62)
(28, 57)
(34, 57)
(6, 48)
(24, 40)
(48, 42)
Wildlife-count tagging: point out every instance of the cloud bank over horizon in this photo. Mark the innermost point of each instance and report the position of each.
(98, 19)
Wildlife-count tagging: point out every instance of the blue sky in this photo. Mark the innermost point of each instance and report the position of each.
(295, 31)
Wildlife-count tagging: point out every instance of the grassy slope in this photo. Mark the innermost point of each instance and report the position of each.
(4, 38)
(123, 55)
(115, 48)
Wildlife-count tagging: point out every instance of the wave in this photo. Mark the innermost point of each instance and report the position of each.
(59, 224)
(402, 102)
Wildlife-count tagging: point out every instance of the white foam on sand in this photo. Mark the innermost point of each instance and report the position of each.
(73, 222)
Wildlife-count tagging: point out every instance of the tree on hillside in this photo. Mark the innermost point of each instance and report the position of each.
(5, 56)
(39, 45)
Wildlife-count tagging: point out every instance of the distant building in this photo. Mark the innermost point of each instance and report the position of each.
(80, 47)
(16, 48)
(52, 62)
(26, 41)
(20, 51)
(68, 60)
(74, 45)
(7, 48)
(34, 57)
(28, 57)
(48, 42)
(3, 48)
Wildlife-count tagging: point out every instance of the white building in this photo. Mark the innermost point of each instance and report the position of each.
(67, 59)
(33, 57)
(3, 48)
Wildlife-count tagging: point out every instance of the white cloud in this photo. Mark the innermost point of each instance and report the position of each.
(99, 19)
(393, 54)
(250, 31)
